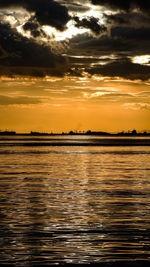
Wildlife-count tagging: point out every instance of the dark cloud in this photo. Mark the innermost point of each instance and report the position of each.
(105, 45)
(105, 52)
(110, 55)
(47, 12)
(87, 60)
(33, 26)
(124, 68)
(132, 19)
(130, 33)
(23, 56)
(76, 7)
(143, 5)
(90, 23)
(21, 100)
(30, 26)
(124, 4)
(127, 41)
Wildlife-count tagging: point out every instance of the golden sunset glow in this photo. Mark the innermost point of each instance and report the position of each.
(56, 105)
(142, 59)
(81, 67)
(75, 133)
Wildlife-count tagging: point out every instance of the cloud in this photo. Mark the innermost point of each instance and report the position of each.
(6, 100)
(123, 68)
(76, 7)
(137, 106)
(47, 12)
(23, 56)
(108, 96)
(105, 52)
(124, 5)
(112, 54)
(130, 33)
(132, 19)
(90, 23)
(34, 28)
(121, 41)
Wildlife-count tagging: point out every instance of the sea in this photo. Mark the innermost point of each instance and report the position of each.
(74, 201)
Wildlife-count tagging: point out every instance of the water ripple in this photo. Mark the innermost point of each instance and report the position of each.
(75, 205)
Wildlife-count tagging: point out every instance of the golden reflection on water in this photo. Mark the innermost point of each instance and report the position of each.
(74, 204)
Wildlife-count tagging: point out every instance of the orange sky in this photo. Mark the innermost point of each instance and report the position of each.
(63, 104)
(74, 65)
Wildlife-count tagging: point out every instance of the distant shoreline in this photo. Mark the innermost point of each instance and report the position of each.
(7, 133)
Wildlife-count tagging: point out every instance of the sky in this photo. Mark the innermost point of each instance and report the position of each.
(74, 65)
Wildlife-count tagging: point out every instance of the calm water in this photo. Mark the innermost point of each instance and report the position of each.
(73, 204)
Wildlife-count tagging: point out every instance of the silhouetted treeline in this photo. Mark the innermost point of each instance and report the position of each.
(7, 133)
(89, 132)
(129, 133)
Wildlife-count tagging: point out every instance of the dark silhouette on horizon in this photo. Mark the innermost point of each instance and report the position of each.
(89, 132)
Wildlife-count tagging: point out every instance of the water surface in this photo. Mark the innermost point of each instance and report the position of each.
(74, 204)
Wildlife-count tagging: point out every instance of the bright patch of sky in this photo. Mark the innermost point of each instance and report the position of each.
(19, 17)
(68, 34)
(143, 60)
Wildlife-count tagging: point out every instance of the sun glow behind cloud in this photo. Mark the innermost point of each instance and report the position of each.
(143, 60)
(94, 11)
(80, 71)
(17, 18)
(67, 34)
(71, 29)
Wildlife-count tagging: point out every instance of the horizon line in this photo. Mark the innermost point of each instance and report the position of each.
(77, 132)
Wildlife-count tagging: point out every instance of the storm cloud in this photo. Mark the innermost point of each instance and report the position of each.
(76, 7)
(113, 55)
(132, 19)
(47, 12)
(124, 5)
(122, 68)
(117, 38)
(34, 28)
(22, 56)
(90, 23)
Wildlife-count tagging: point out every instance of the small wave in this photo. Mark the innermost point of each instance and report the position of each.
(39, 152)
